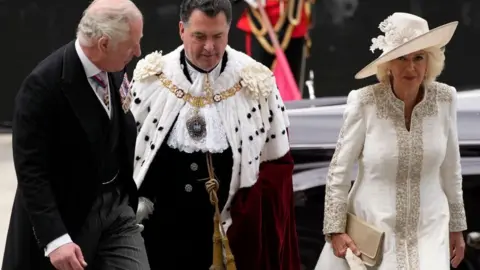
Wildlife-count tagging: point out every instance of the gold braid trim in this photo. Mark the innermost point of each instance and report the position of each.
(263, 31)
(293, 22)
(220, 240)
(308, 41)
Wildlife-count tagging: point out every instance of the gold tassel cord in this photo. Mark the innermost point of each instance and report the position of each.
(220, 240)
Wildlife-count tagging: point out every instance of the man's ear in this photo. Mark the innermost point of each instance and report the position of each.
(181, 29)
(103, 43)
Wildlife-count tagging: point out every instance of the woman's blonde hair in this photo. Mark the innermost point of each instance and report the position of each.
(435, 65)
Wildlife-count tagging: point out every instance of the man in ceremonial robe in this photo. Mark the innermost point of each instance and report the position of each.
(212, 155)
(291, 21)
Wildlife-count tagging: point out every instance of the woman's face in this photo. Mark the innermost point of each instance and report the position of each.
(409, 70)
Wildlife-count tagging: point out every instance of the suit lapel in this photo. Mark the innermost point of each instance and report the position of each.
(82, 98)
(89, 110)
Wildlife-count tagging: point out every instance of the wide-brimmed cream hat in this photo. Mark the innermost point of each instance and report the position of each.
(405, 33)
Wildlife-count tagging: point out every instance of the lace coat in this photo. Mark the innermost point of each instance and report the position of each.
(409, 183)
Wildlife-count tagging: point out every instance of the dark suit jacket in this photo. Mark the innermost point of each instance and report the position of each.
(59, 129)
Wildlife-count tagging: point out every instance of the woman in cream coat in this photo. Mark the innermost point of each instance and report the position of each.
(403, 134)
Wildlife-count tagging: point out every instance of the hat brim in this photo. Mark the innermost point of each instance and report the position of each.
(437, 37)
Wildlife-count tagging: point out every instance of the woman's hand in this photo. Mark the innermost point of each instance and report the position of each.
(457, 248)
(341, 242)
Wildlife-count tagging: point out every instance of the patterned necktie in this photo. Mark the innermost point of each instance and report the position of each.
(102, 88)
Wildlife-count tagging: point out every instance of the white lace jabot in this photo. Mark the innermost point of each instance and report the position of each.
(215, 140)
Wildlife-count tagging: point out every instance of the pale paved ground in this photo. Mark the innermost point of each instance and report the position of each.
(7, 187)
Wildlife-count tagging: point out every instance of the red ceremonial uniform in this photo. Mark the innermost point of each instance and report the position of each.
(291, 22)
(273, 10)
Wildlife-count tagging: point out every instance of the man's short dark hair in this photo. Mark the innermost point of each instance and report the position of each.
(210, 7)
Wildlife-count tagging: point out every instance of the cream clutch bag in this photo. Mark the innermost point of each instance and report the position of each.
(367, 238)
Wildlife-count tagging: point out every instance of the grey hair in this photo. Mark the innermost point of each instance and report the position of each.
(435, 65)
(104, 18)
(210, 7)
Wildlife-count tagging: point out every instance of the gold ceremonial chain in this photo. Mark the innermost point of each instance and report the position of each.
(207, 87)
(199, 101)
(220, 240)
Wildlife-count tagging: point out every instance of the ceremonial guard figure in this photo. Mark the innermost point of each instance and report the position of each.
(213, 163)
(291, 21)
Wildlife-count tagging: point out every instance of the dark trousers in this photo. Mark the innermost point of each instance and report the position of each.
(111, 237)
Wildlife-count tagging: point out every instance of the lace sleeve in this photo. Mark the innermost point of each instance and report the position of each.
(451, 173)
(349, 145)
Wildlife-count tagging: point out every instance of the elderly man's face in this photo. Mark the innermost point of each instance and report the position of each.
(116, 58)
(205, 39)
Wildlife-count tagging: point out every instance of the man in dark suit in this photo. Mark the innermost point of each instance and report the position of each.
(73, 147)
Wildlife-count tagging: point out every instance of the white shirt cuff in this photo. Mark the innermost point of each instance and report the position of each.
(60, 241)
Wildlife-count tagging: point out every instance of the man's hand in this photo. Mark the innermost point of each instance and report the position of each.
(457, 248)
(341, 242)
(68, 257)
